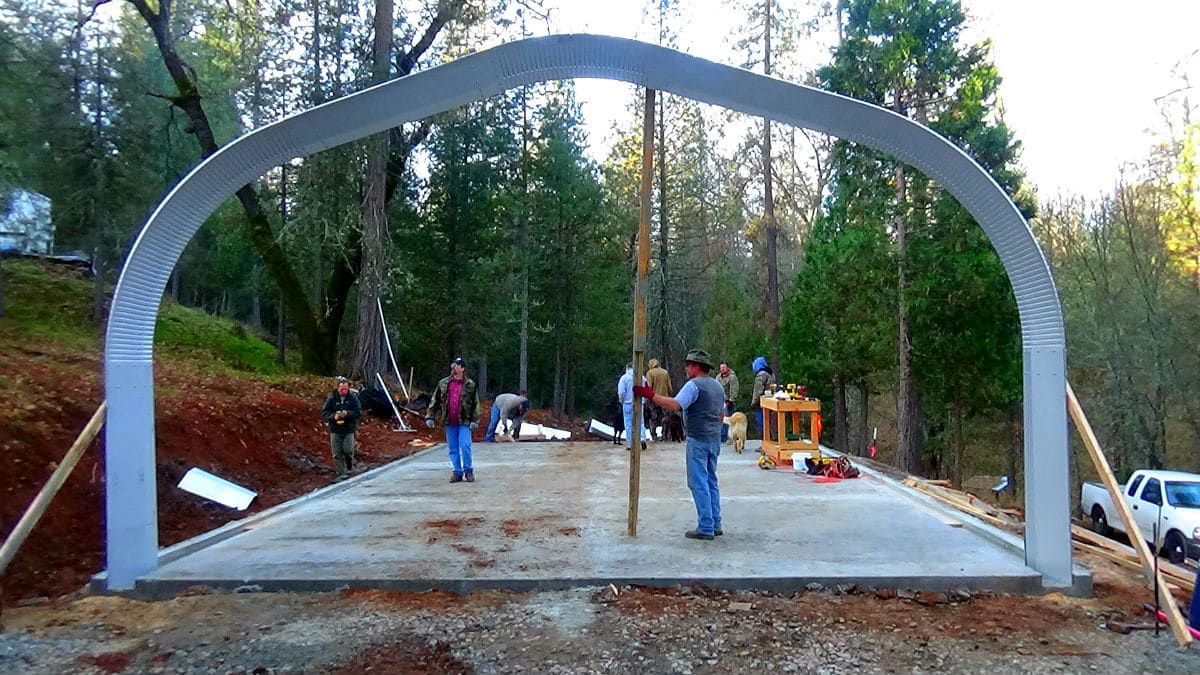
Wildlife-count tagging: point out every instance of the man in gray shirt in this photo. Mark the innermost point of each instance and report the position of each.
(703, 400)
(509, 408)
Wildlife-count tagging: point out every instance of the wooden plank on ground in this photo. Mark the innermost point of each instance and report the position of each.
(1174, 573)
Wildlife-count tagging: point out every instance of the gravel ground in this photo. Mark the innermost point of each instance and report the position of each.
(583, 630)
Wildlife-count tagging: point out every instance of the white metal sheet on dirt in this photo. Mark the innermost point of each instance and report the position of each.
(202, 483)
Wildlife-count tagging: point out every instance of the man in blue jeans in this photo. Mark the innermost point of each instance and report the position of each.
(508, 410)
(458, 401)
(702, 399)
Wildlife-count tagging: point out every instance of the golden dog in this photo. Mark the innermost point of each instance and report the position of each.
(737, 431)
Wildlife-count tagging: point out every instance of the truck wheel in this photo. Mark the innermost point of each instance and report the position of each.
(1100, 521)
(1174, 547)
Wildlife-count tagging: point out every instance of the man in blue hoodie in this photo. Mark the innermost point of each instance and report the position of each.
(764, 377)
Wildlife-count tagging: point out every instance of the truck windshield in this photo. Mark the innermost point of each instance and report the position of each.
(1185, 495)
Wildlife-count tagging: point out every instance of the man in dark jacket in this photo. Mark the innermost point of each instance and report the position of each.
(341, 413)
(702, 399)
(458, 401)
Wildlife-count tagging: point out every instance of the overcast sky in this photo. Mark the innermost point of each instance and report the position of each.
(1080, 76)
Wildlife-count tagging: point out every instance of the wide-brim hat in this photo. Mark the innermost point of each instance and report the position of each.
(699, 356)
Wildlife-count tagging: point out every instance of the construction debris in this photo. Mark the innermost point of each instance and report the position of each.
(1180, 579)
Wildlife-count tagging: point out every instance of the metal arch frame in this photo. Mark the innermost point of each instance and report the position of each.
(131, 508)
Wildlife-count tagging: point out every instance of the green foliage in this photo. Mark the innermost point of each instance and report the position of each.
(908, 56)
(728, 331)
(55, 305)
(840, 318)
(191, 334)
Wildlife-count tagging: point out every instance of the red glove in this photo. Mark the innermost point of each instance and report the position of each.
(644, 392)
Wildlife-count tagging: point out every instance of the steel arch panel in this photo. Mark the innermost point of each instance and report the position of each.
(132, 534)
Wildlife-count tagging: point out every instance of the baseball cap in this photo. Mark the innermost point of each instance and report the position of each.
(458, 360)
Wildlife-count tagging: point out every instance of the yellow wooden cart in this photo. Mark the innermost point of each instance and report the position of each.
(786, 434)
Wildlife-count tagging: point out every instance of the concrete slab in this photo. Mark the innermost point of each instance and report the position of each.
(553, 515)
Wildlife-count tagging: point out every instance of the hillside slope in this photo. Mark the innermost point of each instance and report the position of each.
(223, 405)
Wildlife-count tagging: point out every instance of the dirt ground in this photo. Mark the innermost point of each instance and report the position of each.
(625, 630)
(266, 435)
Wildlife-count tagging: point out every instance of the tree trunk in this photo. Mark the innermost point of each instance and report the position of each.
(1015, 447)
(559, 398)
(369, 357)
(281, 336)
(908, 456)
(255, 319)
(100, 268)
(863, 442)
(663, 234)
(841, 418)
(956, 463)
(769, 212)
(481, 383)
(1, 284)
(523, 358)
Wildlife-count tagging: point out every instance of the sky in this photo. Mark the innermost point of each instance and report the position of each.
(1080, 77)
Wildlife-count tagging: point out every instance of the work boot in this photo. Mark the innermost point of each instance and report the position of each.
(697, 534)
(456, 477)
(718, 532)
(469, 476)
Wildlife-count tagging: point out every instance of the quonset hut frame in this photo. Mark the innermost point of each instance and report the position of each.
(132, 512)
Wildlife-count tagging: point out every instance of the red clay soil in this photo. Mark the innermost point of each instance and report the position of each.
(266, 436)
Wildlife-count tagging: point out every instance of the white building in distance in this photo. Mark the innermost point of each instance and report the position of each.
(25, 225)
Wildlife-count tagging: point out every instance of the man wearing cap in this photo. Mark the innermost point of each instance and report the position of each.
(729, 382)
(702, 399)
(341, 413)
(510, 408)
(458, 401)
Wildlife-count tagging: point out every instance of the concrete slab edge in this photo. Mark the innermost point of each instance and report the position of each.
(159, 589)
(1081, 577)
(99, 581)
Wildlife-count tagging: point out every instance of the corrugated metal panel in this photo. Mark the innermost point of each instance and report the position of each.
(167, 232)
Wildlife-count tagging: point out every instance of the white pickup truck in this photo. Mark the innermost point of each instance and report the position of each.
(1179, 527)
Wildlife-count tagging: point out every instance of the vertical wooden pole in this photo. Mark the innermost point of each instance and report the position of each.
(639, 309)
(1174, 617)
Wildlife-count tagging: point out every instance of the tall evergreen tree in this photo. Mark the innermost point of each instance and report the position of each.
(907, 55)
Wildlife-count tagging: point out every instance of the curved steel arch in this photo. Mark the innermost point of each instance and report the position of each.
(132, 539)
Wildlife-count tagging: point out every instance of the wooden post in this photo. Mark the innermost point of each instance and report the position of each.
(1174, 618)
(639, 309)
(42, 500)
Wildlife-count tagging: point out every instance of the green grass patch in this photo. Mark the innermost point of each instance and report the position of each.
(53, 305)
(195, 335)
(43, 302)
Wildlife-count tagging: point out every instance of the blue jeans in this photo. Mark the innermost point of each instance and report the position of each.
(491, 432)
(729, 410)
(627, 411)
(1194, 608)
(702, 480)
(459, 439)
(761, 431)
